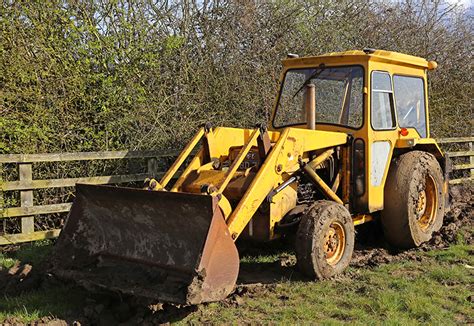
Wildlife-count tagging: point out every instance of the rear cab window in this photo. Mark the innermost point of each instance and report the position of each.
(410, 103)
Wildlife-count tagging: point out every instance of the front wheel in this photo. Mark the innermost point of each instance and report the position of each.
(325, 240)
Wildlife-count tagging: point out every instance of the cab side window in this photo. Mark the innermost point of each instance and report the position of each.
(382, 114)
(410, 102)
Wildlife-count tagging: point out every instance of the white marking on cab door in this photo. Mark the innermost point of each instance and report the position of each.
(380, 152)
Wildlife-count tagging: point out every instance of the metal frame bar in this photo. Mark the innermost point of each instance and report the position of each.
(238, 160)
(181, 158)
(324, 187)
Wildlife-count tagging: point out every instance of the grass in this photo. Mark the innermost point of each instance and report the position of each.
(32, 253)
(55, 301)
(6, 262)
(433, 290)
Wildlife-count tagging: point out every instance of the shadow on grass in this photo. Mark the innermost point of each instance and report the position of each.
(268, 263)
(61, 301)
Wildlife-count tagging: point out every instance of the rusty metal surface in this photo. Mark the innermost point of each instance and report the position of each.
(172, 247)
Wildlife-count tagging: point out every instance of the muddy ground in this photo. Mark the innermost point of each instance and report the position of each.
(255, 279)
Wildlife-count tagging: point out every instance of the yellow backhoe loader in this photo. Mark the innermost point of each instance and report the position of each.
(349, 142)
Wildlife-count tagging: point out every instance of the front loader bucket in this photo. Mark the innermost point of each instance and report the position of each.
(166, 246)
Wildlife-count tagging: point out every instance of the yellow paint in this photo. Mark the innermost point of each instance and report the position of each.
(292, 143)
(281, 204)
(288, 146)
(361, 219)
(321, 158)
(270, 173)
(238, 160)
(225, 206)
(181, 158)
(327, 190)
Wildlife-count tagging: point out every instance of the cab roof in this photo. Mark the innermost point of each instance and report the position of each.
(366, 54)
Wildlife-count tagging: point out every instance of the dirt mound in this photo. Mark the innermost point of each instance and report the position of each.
(19, 278)
(460, 215)
(372, 250)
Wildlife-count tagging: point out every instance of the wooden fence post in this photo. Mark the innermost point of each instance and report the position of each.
(152, 165)
(471, 159)
(25, 172)
(2, 200)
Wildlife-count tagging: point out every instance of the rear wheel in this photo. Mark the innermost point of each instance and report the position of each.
(413, 205)
(325, 240)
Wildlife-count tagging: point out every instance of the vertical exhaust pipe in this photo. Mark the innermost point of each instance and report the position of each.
(310, 103)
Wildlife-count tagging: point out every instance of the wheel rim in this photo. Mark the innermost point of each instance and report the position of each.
(334, 243)
(427, 203)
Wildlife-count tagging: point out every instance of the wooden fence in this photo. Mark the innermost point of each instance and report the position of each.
(456, 155)
(26, 185)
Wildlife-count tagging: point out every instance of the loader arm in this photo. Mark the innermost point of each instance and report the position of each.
(288, 146)
(292, 144)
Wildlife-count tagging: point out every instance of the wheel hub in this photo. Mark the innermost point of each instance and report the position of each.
(426, 205)
(334, 243)
(421, 204)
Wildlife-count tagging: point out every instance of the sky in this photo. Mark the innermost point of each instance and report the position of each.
(465, 3)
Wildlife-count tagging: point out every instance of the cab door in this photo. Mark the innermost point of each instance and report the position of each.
(382, 135)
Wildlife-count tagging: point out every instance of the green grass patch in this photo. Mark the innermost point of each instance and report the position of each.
(55, 302)
(261, 259)
(432, 291)
(6, 262)
(31, 253)
(459, 253)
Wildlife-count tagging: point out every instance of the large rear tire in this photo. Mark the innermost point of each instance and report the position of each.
(325, 240)
(413, 200)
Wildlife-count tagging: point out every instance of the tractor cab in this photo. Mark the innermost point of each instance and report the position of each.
(377, 97)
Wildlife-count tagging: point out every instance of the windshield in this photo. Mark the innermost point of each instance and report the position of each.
(339, 96)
